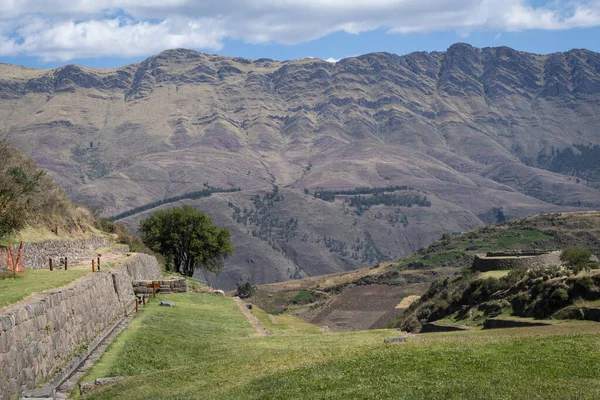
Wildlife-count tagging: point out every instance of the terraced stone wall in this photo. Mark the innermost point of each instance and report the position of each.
(42, 337)
(36, 255)
(484, 263)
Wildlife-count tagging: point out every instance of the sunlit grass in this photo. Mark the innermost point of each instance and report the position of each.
(33, 281)
(202, 348)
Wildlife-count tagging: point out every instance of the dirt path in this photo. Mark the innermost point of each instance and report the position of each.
(260, 329)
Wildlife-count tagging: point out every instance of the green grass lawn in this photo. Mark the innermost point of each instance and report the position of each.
(493, 274)
(202, 349)
(33, 281)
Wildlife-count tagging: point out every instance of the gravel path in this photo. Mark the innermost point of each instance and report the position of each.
(260, 329)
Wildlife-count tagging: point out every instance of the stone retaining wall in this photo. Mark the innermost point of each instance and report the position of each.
(511, 323)
(41, 336)
(36, 255)
(484, 263)
(433, 327)
(175, 285)
(142, 267)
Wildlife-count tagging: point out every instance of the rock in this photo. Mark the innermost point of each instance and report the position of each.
(396, 339)
(249, 306)
(88, 387)
(167, 304)
(218, 291)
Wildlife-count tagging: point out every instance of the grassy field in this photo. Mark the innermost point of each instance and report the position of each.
(13, 290)
(202, 348)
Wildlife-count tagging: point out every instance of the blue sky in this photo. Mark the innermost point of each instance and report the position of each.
(50, 33)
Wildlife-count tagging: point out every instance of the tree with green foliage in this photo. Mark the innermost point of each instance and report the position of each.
(187, 239)
(578, 258)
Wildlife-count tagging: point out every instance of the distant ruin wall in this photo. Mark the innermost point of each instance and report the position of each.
(36, 255)
(40, 337)
(484, 262)
(165, 286)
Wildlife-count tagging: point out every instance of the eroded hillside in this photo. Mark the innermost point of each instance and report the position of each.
(474, 130)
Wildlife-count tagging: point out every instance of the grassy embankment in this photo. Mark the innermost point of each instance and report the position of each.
(16, 288)
(202, 348)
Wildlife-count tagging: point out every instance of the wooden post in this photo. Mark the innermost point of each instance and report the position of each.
(51, 266)
(98, 263)
(137, 304)
(56, 229)
(19, 258)
(144, 300)
(93, 265)
(154, 286)
(66, 263)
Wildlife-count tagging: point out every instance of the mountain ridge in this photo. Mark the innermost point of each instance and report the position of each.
(475, 130)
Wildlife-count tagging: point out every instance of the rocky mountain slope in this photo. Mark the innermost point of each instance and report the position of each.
(483, 134)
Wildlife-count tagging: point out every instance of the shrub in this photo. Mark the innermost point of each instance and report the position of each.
(577, 258)
(245, 290)
(514, 276)
(582, 287)
(569, 313)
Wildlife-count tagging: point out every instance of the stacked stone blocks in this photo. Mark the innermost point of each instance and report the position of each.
(41, 336)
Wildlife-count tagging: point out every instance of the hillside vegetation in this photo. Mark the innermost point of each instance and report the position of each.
(349, 301)
(29, 197)
(472, 297)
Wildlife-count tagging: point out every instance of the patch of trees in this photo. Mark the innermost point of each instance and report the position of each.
(190, 195)
(187, 239)
(393, 218)
(579, 160)
(329, 195)
(363, 198)
(363, 203)
(91, 157)
(265, 224)
(494, 216)
(361, 250)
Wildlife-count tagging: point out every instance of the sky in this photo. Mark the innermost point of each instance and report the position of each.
(110, 33)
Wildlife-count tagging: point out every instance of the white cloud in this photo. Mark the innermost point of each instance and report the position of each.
(333, 60)
(66, 29)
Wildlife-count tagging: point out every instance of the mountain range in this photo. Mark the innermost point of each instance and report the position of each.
(458, 139)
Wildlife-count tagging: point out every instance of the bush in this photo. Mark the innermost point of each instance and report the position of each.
(577, 258)
(493, 308)
(514, 276)
(410, 324)
(245, 290)
(582, 287)
(569, 313)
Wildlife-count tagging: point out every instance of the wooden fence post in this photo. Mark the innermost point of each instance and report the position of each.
(93, 265)
(137, 304)
(51, 266)
(66, 262)
(98, 263)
